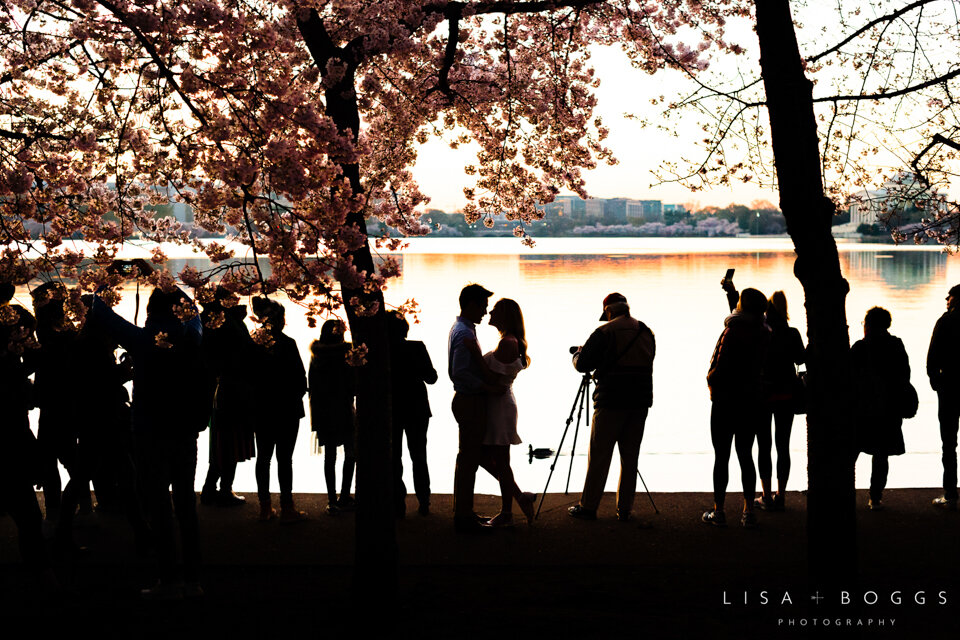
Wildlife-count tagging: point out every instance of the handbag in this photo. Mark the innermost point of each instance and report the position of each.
(798, 393)
(908, 401)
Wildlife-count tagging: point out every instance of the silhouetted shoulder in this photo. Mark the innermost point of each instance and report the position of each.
(508, 350)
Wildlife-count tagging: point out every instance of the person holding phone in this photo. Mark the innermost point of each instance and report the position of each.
(779, 386)
(735, 390)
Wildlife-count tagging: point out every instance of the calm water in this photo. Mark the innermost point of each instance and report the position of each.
(673, 286)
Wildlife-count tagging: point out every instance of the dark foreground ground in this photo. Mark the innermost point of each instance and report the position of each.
(663, 576)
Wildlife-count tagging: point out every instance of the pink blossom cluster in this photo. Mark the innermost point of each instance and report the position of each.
(288, 123)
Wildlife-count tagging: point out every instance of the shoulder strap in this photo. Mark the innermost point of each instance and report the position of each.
(640, 329)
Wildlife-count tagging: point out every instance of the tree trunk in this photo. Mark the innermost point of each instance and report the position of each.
(376, 540)
(831, 521)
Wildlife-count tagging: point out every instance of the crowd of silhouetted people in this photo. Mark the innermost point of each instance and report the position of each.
(191, 371)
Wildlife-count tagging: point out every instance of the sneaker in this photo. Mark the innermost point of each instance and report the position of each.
(289, 514)
(208, 497)
(332, 509)
(623, 516)
(501, 520)
(424, 509)
(471, 525)
(875, 505)
(945, 503)
(230, 499)
(714, 517)
(749, 520)
(267, 513)
(582, 513)
(777, 502)
(763, 503)
(347, 504)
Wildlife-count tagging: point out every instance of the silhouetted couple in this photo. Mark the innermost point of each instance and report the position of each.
(484, 406)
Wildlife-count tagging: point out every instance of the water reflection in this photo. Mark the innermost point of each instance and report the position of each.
(674, 288)
(903, 270)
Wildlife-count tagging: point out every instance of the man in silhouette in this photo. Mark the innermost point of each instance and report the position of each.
(620, 353)
(943, 368)
(465, 367)
(18, 448)
(169, 410)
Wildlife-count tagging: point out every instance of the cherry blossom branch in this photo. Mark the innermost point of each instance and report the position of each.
(937, 140)
(890, 17)
(9, 76)
(155, 55)
(450, 53)
(888, 94)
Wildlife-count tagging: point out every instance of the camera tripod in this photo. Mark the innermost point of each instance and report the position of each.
(580, 401)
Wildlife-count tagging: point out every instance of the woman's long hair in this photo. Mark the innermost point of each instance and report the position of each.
(778, 302)
(513, 325)
(332, 332)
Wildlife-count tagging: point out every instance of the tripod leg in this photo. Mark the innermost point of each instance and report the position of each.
(576, 401)
(649, 495)
(584, 402)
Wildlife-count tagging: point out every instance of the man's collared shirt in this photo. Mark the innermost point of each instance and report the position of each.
(463, 370)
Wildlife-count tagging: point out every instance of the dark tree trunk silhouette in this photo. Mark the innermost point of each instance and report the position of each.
(376, 543)
(831, 522)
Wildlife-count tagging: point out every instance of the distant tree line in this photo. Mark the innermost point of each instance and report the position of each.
(761, 217)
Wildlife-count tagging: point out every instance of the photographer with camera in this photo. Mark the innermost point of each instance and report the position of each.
(620, 353)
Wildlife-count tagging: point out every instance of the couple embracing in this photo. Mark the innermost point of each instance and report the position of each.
(484, 406)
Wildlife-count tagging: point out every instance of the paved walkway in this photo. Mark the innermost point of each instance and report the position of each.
(665, 575)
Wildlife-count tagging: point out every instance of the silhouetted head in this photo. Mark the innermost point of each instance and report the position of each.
(753, 302)
(614, 306)
(953, 298)
(161, 303)
(778, 302)
(876, 320)
(508, 319)
(48, 304)
(473, 302)
(216, 304)
(271, 311)
(397, 326)
(331, 332)
(6, 292)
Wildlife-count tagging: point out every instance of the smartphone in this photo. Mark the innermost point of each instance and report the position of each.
(729, 275)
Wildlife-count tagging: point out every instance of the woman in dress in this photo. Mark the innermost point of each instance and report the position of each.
(881, 372)
(506, 361)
